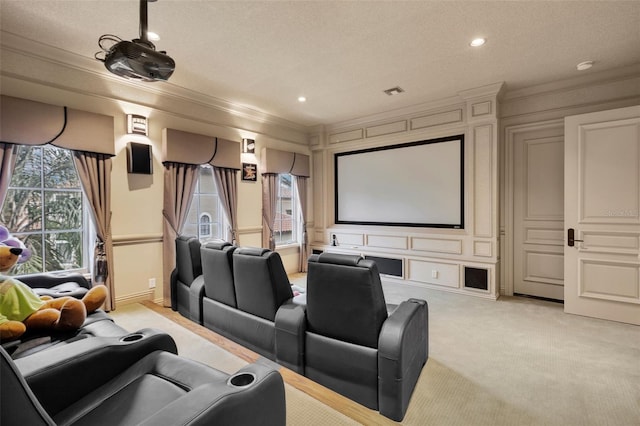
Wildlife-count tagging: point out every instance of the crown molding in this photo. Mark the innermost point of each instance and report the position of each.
(119, 88)
(578, 82)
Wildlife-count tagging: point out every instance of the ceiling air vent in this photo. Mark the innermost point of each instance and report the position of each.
(394, 91)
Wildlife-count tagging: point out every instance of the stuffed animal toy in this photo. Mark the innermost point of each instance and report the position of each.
(21, 309)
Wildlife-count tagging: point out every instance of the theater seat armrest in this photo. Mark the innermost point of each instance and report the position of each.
(291, 325)
(402, 352)
(63, 374)
(262, 401)
(196, 293)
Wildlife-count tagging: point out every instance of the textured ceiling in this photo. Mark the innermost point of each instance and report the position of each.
(341, 55)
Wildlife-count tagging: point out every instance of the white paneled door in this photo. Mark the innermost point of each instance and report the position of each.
(602, 215)
(538, 211)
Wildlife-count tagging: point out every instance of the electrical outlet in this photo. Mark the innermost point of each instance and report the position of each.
(152, 283)
(434, 274)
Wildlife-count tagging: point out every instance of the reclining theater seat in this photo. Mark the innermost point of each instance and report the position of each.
(97, 324)
(186, 279)
(159, 389)
(352, 345)
(57, 285)
(265, 318)
(219, 291)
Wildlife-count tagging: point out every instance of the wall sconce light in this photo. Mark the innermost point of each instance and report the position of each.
(137, 124)
(248, 146)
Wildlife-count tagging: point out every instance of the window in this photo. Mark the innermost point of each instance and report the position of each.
(285, 229)
(46, 209)
(205, 225)
(205, 218)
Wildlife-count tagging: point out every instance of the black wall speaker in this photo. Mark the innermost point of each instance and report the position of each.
(387, 265)
(476, 278)
(139, 158)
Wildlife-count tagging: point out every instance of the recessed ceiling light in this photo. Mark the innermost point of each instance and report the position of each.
(302, 99)
(153, 36)
(582, 66)
(477, 42)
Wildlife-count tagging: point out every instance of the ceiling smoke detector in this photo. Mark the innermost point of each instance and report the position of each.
(394, 91)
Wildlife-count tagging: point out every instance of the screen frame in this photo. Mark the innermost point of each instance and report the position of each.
(457, 225)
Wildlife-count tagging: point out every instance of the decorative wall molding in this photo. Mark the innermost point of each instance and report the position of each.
(135, 239)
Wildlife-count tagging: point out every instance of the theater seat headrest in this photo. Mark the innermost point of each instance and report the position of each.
(217, 244)
(340, 259)
(252, 251)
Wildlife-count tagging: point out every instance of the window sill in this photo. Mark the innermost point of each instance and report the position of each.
(288, 248)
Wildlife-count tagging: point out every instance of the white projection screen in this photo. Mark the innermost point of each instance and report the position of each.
(419, 184)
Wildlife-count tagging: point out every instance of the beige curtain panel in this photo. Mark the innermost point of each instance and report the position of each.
(26, 122)
(191, 148)
(95, 174)
(179, 185)
(276, 161)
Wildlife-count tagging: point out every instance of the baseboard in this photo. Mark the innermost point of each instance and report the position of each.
(136, 297)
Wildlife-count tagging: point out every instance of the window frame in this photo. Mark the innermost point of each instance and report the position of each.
(296, 217)
(86, 228)
(220, 222)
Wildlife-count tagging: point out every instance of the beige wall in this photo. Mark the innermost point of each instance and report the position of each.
(137, 199)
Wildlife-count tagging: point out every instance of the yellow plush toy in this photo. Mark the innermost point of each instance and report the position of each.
(22, 309)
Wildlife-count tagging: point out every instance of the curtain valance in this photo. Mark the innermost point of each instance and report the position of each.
(276, 161)
(191, 148)
(28, 122)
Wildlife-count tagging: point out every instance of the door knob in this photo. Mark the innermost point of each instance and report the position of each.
(571, 238)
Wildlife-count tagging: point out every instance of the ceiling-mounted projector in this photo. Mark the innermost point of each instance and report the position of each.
(138, 58)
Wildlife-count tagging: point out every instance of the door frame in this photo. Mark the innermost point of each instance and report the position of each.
(507, 235)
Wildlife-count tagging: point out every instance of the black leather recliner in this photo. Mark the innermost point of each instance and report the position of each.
(159, 389)
(97, 324)
(248, 299)
(187, 283)
(219, 290)
(352, 344)
(57, 284)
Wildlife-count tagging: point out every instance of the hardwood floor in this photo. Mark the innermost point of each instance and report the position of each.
(332, 399)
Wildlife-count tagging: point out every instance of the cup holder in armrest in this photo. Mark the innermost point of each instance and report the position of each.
(241, 380)
(134, 337)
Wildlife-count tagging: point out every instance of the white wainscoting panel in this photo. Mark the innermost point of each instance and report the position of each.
(483, 248)
(386, 241)
(349, 239)
(436, 245)
(386, 129)
(483, 181)
(448, 117)
(350, 135)
(443, 274)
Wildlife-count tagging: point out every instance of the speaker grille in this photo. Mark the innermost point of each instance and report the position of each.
(476, 278)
